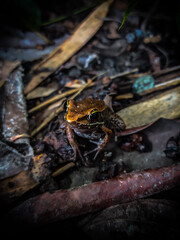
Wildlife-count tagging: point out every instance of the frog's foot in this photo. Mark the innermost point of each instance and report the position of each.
(95, 142)
(77, 150)
(92, 151)
(102, 143)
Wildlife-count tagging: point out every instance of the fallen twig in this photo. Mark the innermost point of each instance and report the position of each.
(157, 87)
(24, 135)
(63, 169)
(162, 86)
(63, 204)
(124, 96)
(166, 70)
(124, 73)
(52, 100)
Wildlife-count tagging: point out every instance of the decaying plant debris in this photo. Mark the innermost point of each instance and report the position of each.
(137, 74)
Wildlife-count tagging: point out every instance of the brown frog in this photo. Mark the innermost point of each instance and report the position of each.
(92, 119)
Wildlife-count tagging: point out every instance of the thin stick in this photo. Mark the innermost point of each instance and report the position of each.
(124, 73)
(166, 70)
(124, 96)
(88, 84)
(157, 87)
(162, 86)
(24, 135)
(53, 99)
(63, 169)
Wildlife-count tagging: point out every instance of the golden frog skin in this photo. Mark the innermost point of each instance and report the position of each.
(92, 119)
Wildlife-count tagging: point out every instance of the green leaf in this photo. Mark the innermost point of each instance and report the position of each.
(129, 8)
(75, 12)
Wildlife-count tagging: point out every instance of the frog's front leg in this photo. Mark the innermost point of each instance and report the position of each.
(72, 140)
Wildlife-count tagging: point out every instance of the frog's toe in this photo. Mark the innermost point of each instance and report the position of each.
(94, 150)
(95, 142)
(81, 157)
(95, 156)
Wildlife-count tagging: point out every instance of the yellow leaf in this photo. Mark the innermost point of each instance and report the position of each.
(165, 105)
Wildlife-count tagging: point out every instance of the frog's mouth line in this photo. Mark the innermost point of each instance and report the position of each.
(85, 123)
(91, 124)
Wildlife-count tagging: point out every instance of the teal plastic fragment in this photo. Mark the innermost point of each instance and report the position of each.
(143, 83)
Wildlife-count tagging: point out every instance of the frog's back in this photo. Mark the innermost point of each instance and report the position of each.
(83, 108)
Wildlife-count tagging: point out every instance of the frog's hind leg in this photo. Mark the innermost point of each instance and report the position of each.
(72, 140)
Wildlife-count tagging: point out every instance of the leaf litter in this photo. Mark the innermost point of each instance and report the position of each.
(101, 63)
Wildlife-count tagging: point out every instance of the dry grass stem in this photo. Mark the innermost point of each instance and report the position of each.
(63, 169)
(53, 99)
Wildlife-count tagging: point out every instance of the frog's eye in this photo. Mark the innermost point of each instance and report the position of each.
(66, 105)
(93, 116)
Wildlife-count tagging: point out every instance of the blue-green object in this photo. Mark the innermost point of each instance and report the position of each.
(130, 37)
(143, 83)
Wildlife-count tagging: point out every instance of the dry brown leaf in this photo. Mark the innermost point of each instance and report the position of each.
(7, 68)
(66, 50)
(22, 182)
(41, 92)
(165, 105)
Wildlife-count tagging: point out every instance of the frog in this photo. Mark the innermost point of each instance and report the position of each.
(90, 119)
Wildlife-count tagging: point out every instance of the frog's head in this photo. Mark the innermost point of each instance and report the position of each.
(85, 111)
